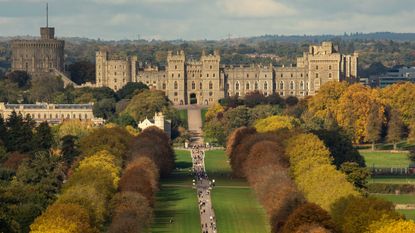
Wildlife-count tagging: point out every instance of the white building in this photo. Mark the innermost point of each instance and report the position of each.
(52, 113)
(157, 121)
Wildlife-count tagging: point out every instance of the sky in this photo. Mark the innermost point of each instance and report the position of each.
(204, 19)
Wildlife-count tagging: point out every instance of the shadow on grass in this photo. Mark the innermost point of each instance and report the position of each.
(183, 165)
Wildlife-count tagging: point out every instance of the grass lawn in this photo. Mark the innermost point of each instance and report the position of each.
(183, 117)
(393, 179)
(177, 202)
(397, 199)
(385, 159)
(236, 208)
(410, 214)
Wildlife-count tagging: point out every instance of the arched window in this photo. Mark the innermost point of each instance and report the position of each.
(193, 85)
(317, 75)
(329, 67)
(164, 86)
(281, 85)
(256, 85)
(237, 86)
(247, 86)
(200, 86)
(210, 85)
(329, 75)
(175, 85)
(302, 85)
(292, 85)
(265, 85)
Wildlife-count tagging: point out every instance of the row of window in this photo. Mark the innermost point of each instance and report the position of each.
(59, 116)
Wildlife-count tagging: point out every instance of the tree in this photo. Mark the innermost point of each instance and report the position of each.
(395, 128)
(356, 175)
(308, 213)
(69, 149)
(21, 78)
(213, 132)
(401, 97)
(130, 90)
(19, 133)
(374, 125)
(43, 137)
(138, 180)
(393, 226)
(146, 103)
(45, 88)
(355, 214)
(213, 111)
(235, 118)
(82, 72)
(131, 212)
(263, 111)
(327, 99)
(74, 127)
(63, 218)
(254, 98)
(104, 108)
(274, 123)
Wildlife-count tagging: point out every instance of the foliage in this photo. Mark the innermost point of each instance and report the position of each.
(43, 138)
(213, 132)
(326, 100)
(131, 212)
(214, 111)
(45, 88)
(82, 72)
(395, 128)
(104, 108)
(130, 90)
(308, 213)
(69, 149)
(274, 123)
(396, 226)
(63, 218)
(374, 125)
(21, 78)
(401, 97)
(19, 133)
(75, 127)
(356, 175)
(355, 214)
(144, 104)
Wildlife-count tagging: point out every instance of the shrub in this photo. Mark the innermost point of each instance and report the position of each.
(274, 123)
(391, 188)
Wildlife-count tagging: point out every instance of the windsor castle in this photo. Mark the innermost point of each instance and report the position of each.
(205, 81)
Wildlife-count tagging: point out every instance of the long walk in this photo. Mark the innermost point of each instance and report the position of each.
(202, 182)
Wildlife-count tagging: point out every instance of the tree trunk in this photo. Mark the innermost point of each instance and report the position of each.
(395, 146)
(373, 146)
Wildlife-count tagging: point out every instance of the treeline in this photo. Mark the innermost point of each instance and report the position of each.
(293, 177)
(112, 184)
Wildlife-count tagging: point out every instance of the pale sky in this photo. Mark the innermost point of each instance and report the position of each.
(204, 19)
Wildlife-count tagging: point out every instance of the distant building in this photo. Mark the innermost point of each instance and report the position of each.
(41, 57)
(52, 113)
(205, 81)
(158, 121)
(398, 75)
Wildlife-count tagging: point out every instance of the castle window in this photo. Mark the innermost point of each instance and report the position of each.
(214, 75)
(210, 93)
(237, 94)
(175, 94)
(115, 88)
(329, 75)
(172, 75)
(301, 75)
(237, 86)
(210, 67)
(281, 85)
(207, 75)
(247, 75)
(193, 75)
(178, 75)
(256, 85)
(200, 85)
(164, 86)
(175, 67)
(282, 75)
(210, 85)
(317, 75)
(265, 76)
(302, 85)
(175, 85)
(247, 86)
(115, 80)
(292, 75)
(292, 85)
(266, 86)
(56, 116)
(193, 85)
(200, 75)
(316, 67)
(329, 67)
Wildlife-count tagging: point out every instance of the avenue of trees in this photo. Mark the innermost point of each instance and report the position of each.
(284, 166)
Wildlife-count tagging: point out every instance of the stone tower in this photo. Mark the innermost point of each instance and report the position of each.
(159, 120)
(211, 79)
(176, 84)
(39, 57)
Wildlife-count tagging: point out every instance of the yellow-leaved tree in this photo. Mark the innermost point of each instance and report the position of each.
(213, 111)
(274, 123)
(392, 226)
(352, 111)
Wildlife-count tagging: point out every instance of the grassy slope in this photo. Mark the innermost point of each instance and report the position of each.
(183, 117)
(179, 203)
(236, 208)
(385, 159)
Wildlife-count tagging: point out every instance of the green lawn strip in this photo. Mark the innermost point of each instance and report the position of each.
(393, 179)
(409, 214)
(237, 211)
(179, 204)
(183, 117)
(177, 200)
(385, 159)
(397, 199)
(236, 207)
(203, 112)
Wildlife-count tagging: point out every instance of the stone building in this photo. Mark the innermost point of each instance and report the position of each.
(39, 57)
(205, 81)
(52, 113)
(158, 121)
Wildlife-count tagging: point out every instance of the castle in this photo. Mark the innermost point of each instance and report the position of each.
(158, 121)
(205, 81)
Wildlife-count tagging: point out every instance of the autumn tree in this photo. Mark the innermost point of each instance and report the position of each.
(144, 104)
(213, 111)
(310, 214)
(274, 123)
(74, 127)
(395, 129)
(392, 226)
(63, 218)
(374, 125)
(131, 212)
(131, 89)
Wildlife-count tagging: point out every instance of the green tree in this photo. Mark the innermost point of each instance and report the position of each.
(356, 175)
(104, 108)
(146, 103)
(130, 90)
(45, 88)
(69, 148)
(43, 137)
(19, 133)
(21, 78)
(395, 128)
(82, 71)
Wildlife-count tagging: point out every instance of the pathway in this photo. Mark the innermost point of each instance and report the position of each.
(202, 182)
